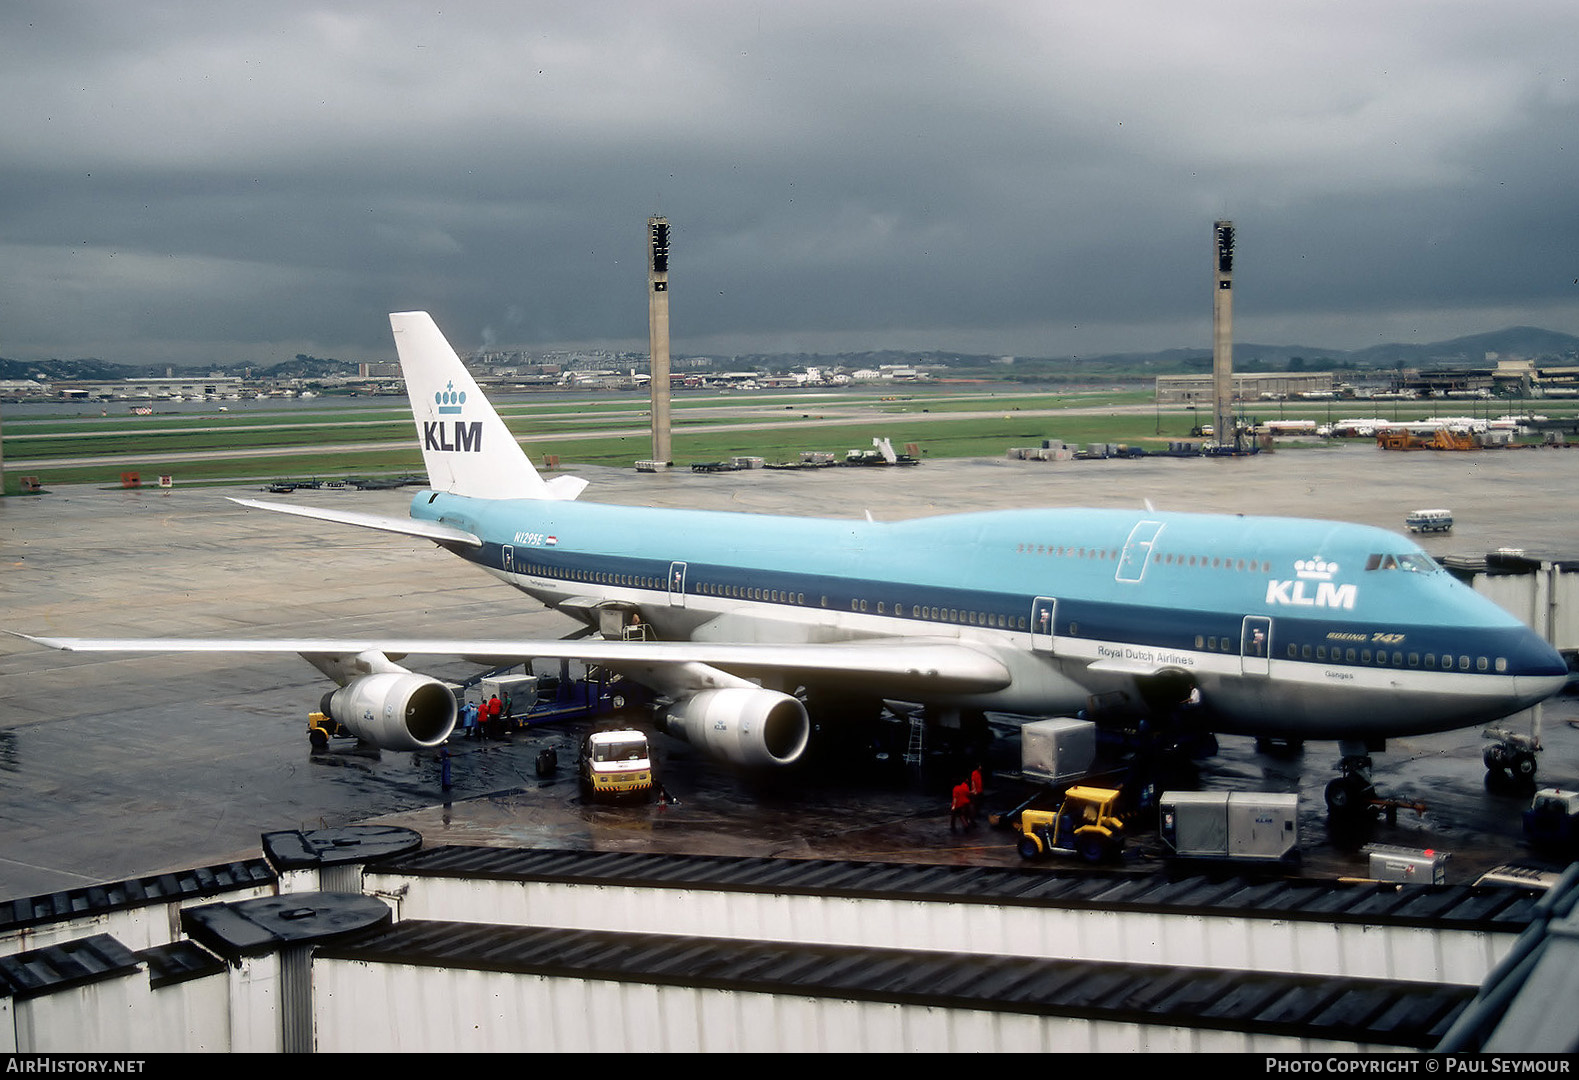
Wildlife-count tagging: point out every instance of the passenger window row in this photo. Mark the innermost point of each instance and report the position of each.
(1383, 658)
(1165, 558)
(596, 577)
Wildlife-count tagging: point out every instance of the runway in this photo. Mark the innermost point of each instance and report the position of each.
(121, 766)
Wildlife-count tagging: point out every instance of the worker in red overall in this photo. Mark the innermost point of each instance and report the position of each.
(959, 807)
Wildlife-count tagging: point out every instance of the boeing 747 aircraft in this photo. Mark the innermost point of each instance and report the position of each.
(1278, 627)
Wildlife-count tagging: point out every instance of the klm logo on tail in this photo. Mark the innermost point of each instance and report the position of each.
(439, 435)
(451, 435)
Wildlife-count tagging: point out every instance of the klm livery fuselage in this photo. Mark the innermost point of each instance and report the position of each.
(1285, 627)
(743, 625)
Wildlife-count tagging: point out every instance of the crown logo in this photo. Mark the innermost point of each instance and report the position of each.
(1317, 569)
(449, 400)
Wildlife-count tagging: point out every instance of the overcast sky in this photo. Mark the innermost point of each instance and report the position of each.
(195, 181)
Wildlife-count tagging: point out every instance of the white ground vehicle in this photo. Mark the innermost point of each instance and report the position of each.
(617, 764)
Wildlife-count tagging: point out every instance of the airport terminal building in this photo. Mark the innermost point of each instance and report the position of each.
(1248, 386)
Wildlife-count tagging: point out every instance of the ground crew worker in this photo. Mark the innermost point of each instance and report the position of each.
(959, 807)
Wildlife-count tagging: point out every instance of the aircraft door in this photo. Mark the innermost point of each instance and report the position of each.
(1132, 563)
(677, 584)
(1255, 646)
(1043, 610)
(507, 559)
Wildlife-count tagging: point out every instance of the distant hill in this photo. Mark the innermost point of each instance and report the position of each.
(1520, 341)
(300, 367)
(305, 367)
(47, 370)
(1525, 342)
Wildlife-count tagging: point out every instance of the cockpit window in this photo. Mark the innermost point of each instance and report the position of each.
(1416, 562)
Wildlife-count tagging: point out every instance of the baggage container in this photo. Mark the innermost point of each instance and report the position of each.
(1057, 750)
(1255, 825)
(1417, 867)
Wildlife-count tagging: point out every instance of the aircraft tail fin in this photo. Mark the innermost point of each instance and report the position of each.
(465, 445)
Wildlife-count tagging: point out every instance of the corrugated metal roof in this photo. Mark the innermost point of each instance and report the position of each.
(134, 893)
(178, 962)
(72, 963)
(1372, 1011)
(1527, 1004)
(1469, 907)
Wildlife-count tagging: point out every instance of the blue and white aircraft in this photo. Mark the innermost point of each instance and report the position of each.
(1278, 627)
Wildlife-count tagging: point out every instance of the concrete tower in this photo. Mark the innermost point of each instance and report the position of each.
(1223, 336)
(658, 334)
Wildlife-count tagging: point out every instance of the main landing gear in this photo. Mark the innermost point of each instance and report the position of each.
(1353, 790)
(1352, 796)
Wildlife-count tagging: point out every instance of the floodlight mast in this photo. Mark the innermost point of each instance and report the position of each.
(1223, 421)
(658, 334)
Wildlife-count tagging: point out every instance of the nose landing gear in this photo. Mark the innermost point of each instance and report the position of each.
(1512, 757)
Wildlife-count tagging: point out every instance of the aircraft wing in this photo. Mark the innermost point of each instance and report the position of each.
(427, 530)
(908, 666)
(1129, 667)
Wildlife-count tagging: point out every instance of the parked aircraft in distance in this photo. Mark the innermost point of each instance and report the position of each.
(748, 626)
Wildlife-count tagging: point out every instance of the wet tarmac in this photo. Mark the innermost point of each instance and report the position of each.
(116, 766)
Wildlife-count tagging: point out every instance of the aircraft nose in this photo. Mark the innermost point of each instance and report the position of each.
(1544, 674)
(1531, 689)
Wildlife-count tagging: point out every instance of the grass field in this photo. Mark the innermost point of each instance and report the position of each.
(374, 437)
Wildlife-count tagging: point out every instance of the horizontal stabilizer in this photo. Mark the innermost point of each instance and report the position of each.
(427, 530)
(565, 487)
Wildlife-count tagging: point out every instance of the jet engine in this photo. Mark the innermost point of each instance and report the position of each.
(1165, 689)
(745, 726)
(394, 710)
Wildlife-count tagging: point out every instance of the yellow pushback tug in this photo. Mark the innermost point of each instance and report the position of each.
(1085, 825)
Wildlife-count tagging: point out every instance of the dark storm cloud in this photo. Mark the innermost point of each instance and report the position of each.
(240, 182)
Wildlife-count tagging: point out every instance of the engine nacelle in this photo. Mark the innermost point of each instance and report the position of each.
(743, 725)
(394, 710)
